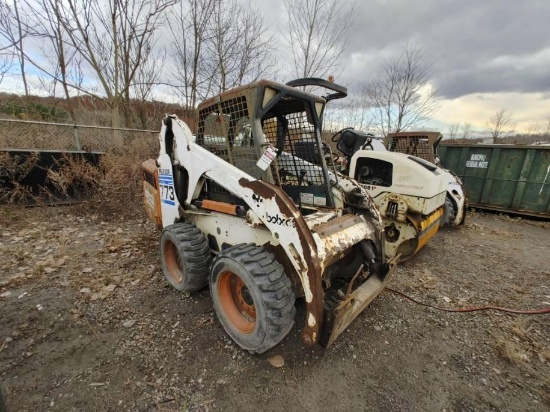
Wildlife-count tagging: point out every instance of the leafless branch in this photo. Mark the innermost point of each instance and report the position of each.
(317, 35)
(453, 131)
(500, 124)
(402, 96)
(466, 130)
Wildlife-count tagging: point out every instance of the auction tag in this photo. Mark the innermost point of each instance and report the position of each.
(307, 198)
(267, 158)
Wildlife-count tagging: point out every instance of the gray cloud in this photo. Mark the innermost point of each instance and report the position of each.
(476, 46)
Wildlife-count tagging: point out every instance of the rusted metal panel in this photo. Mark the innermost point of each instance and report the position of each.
(151, 198)
(338, 224)
(311, 273)
(339, 235)
(319, 217)
(353, 304)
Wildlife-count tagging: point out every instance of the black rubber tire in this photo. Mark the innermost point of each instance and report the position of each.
(268, 287)
(449, 212)
(185, 257)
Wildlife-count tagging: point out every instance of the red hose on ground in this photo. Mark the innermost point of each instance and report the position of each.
(475, 309)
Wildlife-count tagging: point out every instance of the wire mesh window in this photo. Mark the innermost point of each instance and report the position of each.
(414, 145)
(225, 130)
(297, 169)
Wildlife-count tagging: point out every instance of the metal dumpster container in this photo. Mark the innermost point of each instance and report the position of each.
(510, 178)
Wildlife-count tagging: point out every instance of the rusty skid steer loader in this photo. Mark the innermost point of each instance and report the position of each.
(279, 227)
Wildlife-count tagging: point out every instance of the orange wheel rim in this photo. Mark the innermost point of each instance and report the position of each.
(173, 262)
(236, 302)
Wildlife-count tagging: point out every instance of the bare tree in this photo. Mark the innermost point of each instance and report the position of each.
(45, 23)
(5, 65)
(112, 38)
(453, 131)
(6, 43)
(223, 46)
(317, 34)
(218, 44)
(12, 34)
(360, 113)
(239, 49)
(354, 111)
(466, 130)
(188, 26)
(500, 124)
(402, 96)
(143, 111)
(547, 129)
(19, 45)
(534, 128)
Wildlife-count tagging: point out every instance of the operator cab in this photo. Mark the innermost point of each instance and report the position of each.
(272, 132)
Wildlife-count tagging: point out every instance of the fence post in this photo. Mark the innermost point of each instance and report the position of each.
(76, 138)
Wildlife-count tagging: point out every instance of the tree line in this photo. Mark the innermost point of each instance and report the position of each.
(123, 51)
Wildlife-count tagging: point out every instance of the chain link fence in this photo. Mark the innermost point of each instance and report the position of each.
(20, 134)
(52, 162)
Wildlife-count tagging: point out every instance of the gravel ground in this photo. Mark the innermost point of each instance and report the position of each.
(89, 324)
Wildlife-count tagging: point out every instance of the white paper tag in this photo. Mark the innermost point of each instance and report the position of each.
(320, 201)
(267, 158)
(306, 198)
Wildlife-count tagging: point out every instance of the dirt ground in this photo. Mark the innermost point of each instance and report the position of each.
(88, 323)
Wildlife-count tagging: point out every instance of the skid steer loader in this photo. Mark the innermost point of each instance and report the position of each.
(409, 192)
(278, 226)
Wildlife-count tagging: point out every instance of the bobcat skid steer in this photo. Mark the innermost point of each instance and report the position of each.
(278, 227)
(424, 145)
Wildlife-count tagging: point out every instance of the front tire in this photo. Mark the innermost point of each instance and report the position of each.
(252, 297)
(185, 257)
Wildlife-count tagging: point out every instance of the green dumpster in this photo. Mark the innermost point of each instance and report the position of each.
(502, 177)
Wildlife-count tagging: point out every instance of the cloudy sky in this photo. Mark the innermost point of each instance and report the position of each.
(486, 54)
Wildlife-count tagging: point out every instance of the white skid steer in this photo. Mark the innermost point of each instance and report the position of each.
(241, 211)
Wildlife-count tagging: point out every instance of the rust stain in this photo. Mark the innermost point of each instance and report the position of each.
(286, 206)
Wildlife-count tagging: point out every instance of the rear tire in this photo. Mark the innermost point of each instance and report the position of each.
(185, 257)
(252, 297)
(449, 213)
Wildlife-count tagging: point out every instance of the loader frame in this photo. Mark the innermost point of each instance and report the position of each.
(243, 176)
